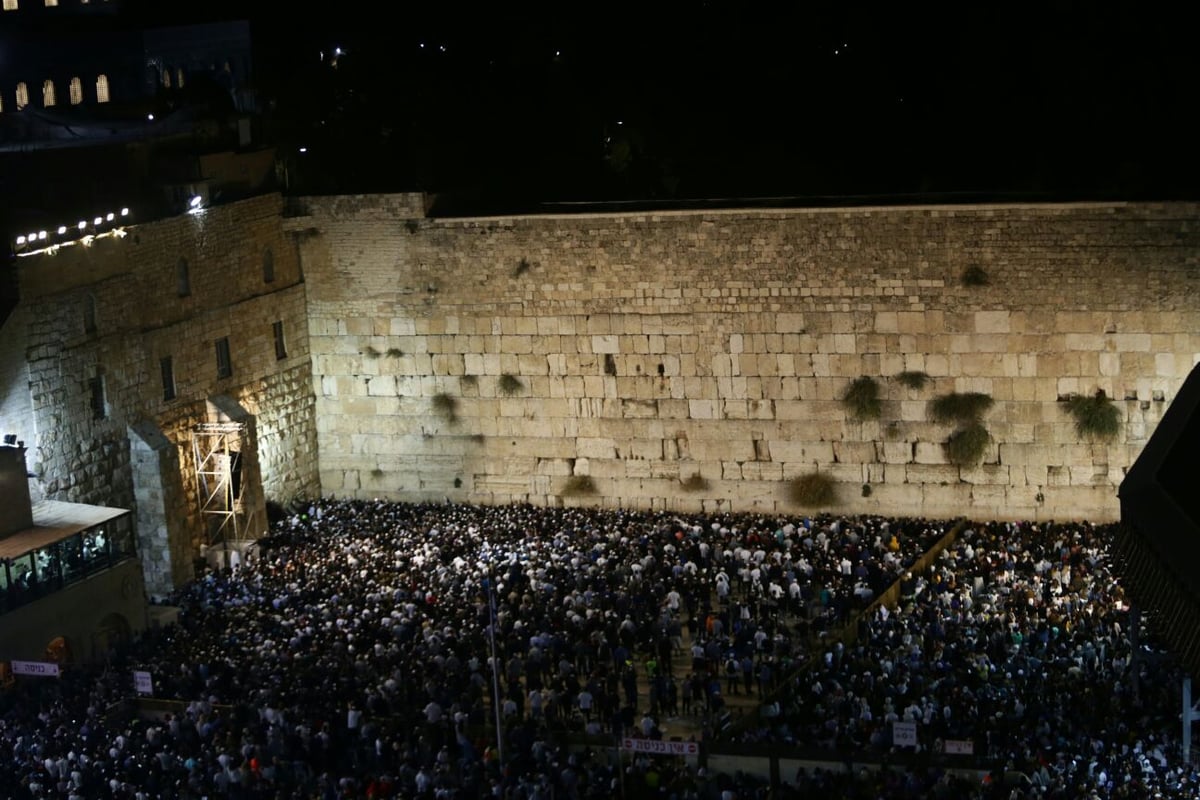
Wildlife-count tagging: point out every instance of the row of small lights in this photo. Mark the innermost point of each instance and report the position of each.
(35, 239)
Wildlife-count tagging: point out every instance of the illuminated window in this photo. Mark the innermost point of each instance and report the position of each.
(280, 344)
(76, 91)
(166, 78)
(1, 104)
(167, 368)
(22, 95)
(268, 265)
(89, 313)
(10, 5)
(179, 78)
(102, 89)
(51, 3)
(96, 390)
(48, 98)
(224, 364)
(183, 278)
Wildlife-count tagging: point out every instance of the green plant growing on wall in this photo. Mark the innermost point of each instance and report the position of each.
(395, 352)
(695, 483)
(967, 445)
(964, 409)
(371, 352)
(577, 485)
(377, 473)
(510, 384)
(913, 379)
(975, 275)
(1096, 417)
(959, 408)
(468, 380)
(813, 489)
(861, 399)
(522, 267)
(446, 406)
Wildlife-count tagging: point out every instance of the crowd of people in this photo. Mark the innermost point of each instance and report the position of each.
(375, 649)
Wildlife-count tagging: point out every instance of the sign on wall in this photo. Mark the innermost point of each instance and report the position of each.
(904, 734)
(660, 748)
(38, 669)
(142, 682)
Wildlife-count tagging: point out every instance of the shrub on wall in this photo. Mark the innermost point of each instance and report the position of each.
(578, 485)
(913, 379)
(813, 489)
(510, 384)
(961, 408)
(1096, 417)
(967, 445)
(975, 275)
(695, 483)
(861, 399)
(446, 406)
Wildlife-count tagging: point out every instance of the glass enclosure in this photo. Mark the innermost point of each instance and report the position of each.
(67, 561)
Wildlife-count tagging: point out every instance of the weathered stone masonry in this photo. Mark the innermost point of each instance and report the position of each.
(140, 317)
(654, 347)
(492, 360)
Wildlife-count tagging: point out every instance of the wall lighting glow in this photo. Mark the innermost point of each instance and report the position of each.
(62, 229)
(124, 212)
(20, 240)
(111, 216)
(195, 202)
(98, 221)
(82, 224)
(41, 235)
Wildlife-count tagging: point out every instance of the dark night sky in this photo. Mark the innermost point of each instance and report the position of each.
(671, 99)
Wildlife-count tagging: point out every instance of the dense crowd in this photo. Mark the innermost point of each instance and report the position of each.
(358, 652)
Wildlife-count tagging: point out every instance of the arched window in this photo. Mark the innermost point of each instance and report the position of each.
(179, 78)
(183, 278)
(48, 98)
(76, 91)
(22, 95)
(102, 89)
(268, 265)
(166, 77)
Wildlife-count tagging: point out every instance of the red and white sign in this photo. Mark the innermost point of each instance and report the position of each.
(38, 669)
(658, 747)
(960, 747)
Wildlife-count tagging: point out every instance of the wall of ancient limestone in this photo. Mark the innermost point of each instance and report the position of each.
(114, 310)
(494, 359)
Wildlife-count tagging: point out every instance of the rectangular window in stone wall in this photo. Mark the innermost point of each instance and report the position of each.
(96, 388)
(89, 313)
(280, 344)
(224, 364)
(167, 368)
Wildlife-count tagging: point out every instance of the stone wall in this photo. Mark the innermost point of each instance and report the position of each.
(494, 360)
(114, 310)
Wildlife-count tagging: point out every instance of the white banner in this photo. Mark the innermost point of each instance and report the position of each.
(960, 747)
(142, 682)
(660, 748)
(40, 669)
(904, 734)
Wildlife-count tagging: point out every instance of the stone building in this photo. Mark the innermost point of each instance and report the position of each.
(691, 360)
(167, 370)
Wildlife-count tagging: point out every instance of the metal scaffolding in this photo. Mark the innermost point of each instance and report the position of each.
(218, 448)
